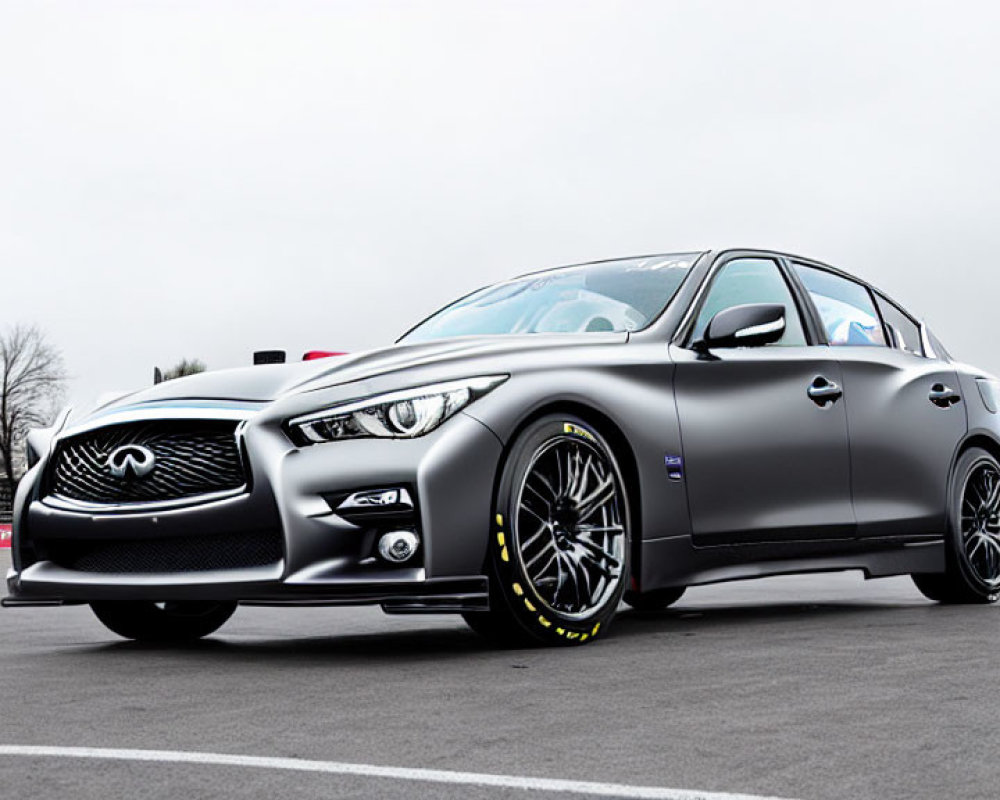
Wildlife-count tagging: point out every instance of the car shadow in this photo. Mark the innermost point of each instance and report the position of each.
(454, 642)
(413, 645)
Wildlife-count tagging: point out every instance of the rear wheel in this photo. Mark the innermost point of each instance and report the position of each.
(559, 550)
(147, 621)
(972, 555)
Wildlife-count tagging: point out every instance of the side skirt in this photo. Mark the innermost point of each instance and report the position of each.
(675, 562)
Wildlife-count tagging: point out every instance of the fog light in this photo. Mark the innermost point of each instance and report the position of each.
(398, 546)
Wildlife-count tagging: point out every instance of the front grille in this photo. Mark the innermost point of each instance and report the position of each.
(193, 457)
(175, 554)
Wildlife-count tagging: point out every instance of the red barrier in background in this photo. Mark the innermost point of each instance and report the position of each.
(4, 536)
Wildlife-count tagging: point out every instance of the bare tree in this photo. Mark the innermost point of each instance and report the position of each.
(186, 366)
(32, 380)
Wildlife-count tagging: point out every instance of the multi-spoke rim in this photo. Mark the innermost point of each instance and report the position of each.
(569, 530)
(981, 523)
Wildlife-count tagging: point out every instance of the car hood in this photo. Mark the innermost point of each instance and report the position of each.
(266, 383)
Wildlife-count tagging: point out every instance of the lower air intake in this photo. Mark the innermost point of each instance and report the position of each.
(179, 554)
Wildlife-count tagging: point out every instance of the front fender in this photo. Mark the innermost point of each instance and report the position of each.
(636, 398)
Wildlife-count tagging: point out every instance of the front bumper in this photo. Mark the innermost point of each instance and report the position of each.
(325, 558)
(442, 595)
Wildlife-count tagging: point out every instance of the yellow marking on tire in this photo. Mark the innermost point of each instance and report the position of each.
(517, 589)
(583, 638)
(572, 635)
(499, 519)
(576, 430)
(561, 631)
(505, 555)
(545, 622)
(597, 627)
(528, 604)
(500, 539)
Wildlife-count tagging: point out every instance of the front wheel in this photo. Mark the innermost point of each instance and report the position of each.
(972, 554)
(559, 549)
(147, 621)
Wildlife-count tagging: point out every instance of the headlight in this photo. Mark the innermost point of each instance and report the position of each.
(398, 415)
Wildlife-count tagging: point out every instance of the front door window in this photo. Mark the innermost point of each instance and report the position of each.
(751, 280)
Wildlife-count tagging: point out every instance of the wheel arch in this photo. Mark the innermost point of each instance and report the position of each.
(610, 430)
(980, 438)
(951, 586)
(986, 441)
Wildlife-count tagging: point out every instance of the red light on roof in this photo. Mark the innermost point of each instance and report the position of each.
(313, 355)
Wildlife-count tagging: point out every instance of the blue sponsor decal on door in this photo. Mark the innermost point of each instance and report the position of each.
(675, 467)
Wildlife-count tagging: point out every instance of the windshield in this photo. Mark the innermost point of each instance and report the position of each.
(623, 295)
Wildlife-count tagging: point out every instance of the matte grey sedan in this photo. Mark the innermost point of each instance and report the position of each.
(533, 454)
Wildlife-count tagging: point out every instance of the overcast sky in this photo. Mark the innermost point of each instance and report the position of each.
(207, 179)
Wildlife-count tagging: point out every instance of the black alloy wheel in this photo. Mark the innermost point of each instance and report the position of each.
(559, 559)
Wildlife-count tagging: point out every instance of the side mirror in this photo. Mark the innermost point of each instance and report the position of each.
(752, 325)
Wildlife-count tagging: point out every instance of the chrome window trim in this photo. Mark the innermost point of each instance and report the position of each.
(925, 343)
(687, 321)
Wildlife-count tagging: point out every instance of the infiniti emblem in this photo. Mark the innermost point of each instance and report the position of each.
(131, 460)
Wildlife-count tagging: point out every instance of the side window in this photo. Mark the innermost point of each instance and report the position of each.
(845, 307)
(751, 280)
(904, 333)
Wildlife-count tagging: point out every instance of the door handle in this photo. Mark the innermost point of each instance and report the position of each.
(823, 392)
(943, 396)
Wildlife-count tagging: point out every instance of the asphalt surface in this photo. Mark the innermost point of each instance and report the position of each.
(800, 687)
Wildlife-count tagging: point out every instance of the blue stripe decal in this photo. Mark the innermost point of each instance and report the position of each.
(226, 405)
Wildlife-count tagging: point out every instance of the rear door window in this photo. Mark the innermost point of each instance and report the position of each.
(845, 307)
(904, 333)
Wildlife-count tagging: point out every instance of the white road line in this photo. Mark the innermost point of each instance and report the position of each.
(373, 771)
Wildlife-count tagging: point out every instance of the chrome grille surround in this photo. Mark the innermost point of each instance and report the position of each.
(196, 460)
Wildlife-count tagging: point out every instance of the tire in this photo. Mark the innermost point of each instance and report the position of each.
(146, 621)
(972, 546)
(656, 600)
(559, 554)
